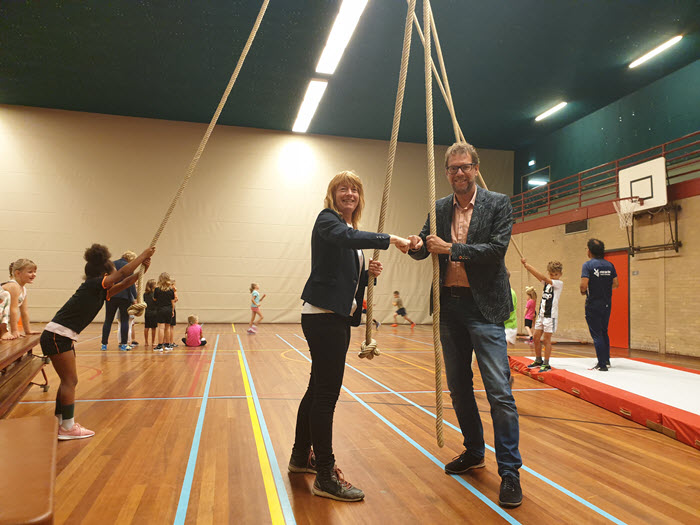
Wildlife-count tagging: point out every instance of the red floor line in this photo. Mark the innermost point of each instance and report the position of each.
(197, 373)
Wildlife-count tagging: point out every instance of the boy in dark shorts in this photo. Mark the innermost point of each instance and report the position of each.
(400, 310)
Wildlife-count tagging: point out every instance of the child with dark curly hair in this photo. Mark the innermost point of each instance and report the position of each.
(57, 341)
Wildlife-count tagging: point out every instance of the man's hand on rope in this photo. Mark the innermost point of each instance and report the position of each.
(416, 243)
(375, 268)
(437, 245)
(401, 243)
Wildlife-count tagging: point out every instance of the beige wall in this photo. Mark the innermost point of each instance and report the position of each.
(664, 285)
(69, 179)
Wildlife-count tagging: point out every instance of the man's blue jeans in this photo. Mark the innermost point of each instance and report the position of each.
(462, 329)
(598, 318)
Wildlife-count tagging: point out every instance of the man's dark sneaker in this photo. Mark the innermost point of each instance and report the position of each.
(511, 495)
(535, 364)
(302, 463)
(600, 368)
(463, 463)
(331, 484)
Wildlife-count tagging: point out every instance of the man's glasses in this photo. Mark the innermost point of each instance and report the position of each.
(466, 168)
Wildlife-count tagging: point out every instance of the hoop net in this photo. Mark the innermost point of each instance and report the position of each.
(625, 209)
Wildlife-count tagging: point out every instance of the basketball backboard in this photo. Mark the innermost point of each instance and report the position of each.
(646, 180)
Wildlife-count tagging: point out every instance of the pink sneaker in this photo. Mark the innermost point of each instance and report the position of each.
(76, 432)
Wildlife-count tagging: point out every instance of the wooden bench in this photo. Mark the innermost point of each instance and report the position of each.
(18, 367)
(28, 466)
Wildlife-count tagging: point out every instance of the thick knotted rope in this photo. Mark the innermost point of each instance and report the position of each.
(369, 346)
(437, 346)
(429, 21)
(138, 308)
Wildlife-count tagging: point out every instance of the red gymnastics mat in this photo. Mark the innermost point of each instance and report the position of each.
(662, 397)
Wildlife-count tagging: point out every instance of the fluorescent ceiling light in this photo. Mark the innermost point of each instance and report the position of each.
(313, 96)
(343, 27)
(536, 182)
(550, 111)
(656, 51)
(531, 163)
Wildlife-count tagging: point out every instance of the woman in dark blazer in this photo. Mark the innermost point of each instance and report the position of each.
(332, 304)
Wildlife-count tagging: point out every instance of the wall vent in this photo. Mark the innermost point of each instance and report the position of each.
(577, 226)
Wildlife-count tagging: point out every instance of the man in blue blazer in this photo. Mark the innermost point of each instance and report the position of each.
(473, 230)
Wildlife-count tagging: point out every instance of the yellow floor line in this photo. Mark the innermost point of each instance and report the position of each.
(234, 327)
(409, 363)
(273, 501)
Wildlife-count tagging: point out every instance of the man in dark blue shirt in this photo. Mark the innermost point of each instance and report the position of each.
(598, 279)
(119, 302)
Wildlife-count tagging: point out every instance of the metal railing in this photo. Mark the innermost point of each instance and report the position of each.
(600, 184)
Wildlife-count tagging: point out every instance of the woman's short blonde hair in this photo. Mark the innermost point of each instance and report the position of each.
(351, 179)
(129, 256)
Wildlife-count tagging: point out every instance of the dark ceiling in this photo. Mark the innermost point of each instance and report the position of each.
(507, 61)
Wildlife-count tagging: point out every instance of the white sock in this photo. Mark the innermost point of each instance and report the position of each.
(60, 418)
(67, 424)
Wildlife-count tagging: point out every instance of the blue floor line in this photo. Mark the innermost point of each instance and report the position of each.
(276, 474)
(525, 468)
(507, 517)
(192, 461)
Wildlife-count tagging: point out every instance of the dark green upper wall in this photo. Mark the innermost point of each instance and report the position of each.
(664, 110)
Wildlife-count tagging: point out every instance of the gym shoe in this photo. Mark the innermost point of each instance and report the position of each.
(600, 368)
(299, 464)
(535, 364)
(413, 325)
(124, 348)
(463, 463)
(158, 348)
(545, 367)
(104, 347)
(510, 495)
(333, 485)
(77, 431)
(251, 331)
(394, 325)
(378, 324)
(134, 343)
(168, 348)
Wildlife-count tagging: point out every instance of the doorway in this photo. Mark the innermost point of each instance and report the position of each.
(619, 328)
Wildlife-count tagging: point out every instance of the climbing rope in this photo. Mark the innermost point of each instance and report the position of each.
(139, 307)
(437, 346)
(369, 346)
(447, 95)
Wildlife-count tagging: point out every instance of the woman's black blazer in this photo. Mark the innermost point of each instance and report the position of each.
(334, 267)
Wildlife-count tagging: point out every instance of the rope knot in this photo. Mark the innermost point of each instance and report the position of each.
(137, 309)
(369, 350)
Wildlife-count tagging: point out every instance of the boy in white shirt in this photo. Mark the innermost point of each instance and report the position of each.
(549, 307)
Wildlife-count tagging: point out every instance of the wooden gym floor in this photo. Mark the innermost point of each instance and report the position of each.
(204, 436)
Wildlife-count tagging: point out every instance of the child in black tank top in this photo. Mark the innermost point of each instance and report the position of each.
(57, 341)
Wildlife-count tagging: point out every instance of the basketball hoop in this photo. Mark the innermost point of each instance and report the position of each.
(625, 209)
